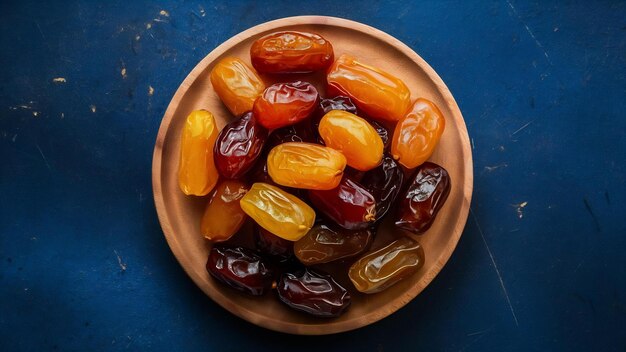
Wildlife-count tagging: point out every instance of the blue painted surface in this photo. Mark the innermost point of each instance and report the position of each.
(84, 264)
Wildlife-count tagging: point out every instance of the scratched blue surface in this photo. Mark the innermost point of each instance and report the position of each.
(84, 264)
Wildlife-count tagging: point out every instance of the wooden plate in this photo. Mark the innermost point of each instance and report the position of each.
(180, 215)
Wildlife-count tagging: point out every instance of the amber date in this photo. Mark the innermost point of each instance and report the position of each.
(197, 173)
(223, 216)
(349, 205)
(385, 183)
(285, 52)
(272, 245)
(238, 146)
(306, 165)
(277, 211)
(425, 196)
(383, 268)
(324, 243)
(241, 269)
(313, 292)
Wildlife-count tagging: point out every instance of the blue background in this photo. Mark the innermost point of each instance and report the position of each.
(84, 264)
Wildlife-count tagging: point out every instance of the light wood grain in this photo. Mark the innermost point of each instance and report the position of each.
(180, 215)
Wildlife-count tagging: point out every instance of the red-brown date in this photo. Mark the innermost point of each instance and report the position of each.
(385, 183)
(272, 245)
(349, 205)
(424, 198)
(288, 52)
(284, 104)
(313, 292)
(241, 269)
(324, 244)
(238, 146)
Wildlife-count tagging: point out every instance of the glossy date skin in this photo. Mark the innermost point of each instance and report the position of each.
(291, 51)
(223, 216)
(272, 245)
(374, 91)
(284, 104)
(381, 269)
(197, 174)
(385, 183)
(300, 132)
(313, 292)
(349, 205)
(239, 146)
(425, 196)
(277, 211)
(340, 102)
(417, 134)
(327, 105)
(383, 133)
(259, 172)
(306, 165)
(241, 269)
(344, 103)
(236, 84)
(324, 244)
(353, 137)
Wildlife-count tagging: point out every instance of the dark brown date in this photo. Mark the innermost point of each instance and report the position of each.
(382, 132)
(313, 292)
(425, 196)
(241, 269)
(300, 132)
(323, 244)
(270, 244)
(238, 146)
(337, 103)
(349, 205)
(259, 172)
(385, 183)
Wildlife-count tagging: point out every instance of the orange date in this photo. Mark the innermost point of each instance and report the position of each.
(353, 137)
(374, 91)
(236, 84)
(417, 134)
(284, 104)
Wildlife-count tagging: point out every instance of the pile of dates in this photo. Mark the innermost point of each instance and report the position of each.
(316, 174)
